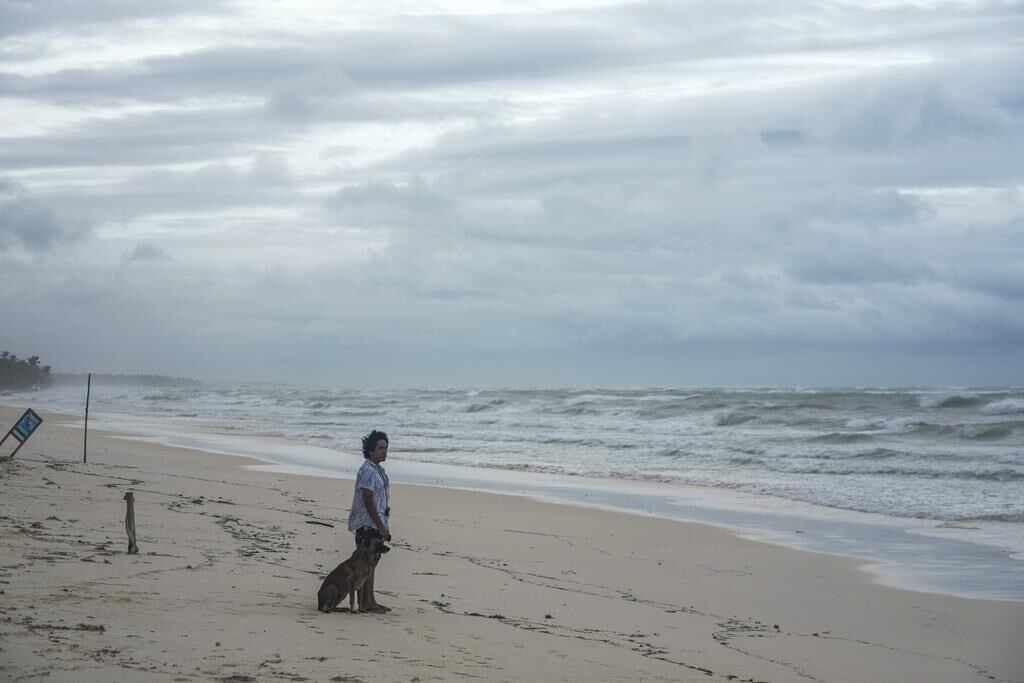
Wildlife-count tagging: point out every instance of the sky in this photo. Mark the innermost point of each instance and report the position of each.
(485, 193)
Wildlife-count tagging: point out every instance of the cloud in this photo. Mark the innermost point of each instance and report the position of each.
(145, 251)
(411, 53)
(410, 205)
(843, 267)
(142, 139)
(635, 180)
(910, 112)
(30, 224)
(28, 16)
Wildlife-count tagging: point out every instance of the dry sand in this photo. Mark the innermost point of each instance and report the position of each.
(482, 586)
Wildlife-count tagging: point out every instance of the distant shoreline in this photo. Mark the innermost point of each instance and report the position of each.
(66, 378)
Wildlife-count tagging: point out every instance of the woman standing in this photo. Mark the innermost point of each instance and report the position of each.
(371, 509)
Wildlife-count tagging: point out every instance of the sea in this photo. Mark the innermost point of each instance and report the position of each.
(925, 486)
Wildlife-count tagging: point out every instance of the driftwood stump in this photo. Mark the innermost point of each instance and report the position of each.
(129, 523)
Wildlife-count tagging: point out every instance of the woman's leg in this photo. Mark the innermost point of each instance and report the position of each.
(367, 600)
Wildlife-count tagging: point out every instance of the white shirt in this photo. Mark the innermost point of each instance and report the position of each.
(371, 477)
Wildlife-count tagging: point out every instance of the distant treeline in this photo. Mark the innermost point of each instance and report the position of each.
(132, 380)
(23, 373)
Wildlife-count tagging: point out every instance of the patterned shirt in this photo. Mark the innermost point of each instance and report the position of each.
(371, 477)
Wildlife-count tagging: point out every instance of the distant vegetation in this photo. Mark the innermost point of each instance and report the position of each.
(23, 373)
(26, 373)
(127, 380)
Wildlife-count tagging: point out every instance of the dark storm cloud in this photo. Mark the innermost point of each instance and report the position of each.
(384, 203)
(28, 223)
(841, 267)
(145, 251)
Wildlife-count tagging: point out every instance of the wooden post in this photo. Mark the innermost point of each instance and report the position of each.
(85, 438)
(129, 523)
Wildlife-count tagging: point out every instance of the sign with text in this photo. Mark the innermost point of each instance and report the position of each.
(23, 428)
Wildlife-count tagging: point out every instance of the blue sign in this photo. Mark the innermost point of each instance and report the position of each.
(22, 429)
(26, 425)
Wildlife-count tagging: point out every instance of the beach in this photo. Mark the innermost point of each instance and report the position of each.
(481, 586)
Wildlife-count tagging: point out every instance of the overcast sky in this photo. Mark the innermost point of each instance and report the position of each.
(527, 193)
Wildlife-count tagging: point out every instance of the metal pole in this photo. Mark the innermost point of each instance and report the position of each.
(85, 438)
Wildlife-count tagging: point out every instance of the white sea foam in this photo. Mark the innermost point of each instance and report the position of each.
(893, 424)
(1007, 406)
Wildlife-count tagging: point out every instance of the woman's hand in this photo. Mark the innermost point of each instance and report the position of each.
(384, 532)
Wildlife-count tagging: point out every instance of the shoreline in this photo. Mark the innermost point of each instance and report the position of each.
(481, 586)
(956, 560)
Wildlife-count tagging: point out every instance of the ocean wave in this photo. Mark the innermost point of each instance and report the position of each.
(974, 431)
(982, 432)
(841, 437)
(1007, 406)
(668, 408)
(327, 398)
(572, 441)
(732, 419)
(341, 412)
(948, 400)
(806, 405)
(641, 476)
(595, 398)
(889, 424)
(1002, 475)
(872, 454)
(1016, 517)
(670, 396)
(578, 409)
(480, 407)
(321, 437)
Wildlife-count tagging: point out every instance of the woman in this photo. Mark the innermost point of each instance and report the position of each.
(371, 509)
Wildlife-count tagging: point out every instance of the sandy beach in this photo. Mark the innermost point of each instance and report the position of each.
(482, 586)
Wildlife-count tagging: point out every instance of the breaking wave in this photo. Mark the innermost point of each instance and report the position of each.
(1008, 406)
(731, 419)
(949, 400)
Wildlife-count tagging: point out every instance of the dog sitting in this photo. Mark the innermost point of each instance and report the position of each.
(349, 576)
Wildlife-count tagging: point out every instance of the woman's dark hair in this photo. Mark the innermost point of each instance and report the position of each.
(370, 441)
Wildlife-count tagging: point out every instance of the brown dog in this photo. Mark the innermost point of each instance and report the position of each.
(349, 576)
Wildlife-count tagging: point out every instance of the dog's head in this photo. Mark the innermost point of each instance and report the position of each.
(375, 545)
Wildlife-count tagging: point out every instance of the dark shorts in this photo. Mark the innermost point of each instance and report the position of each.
(365, 533)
